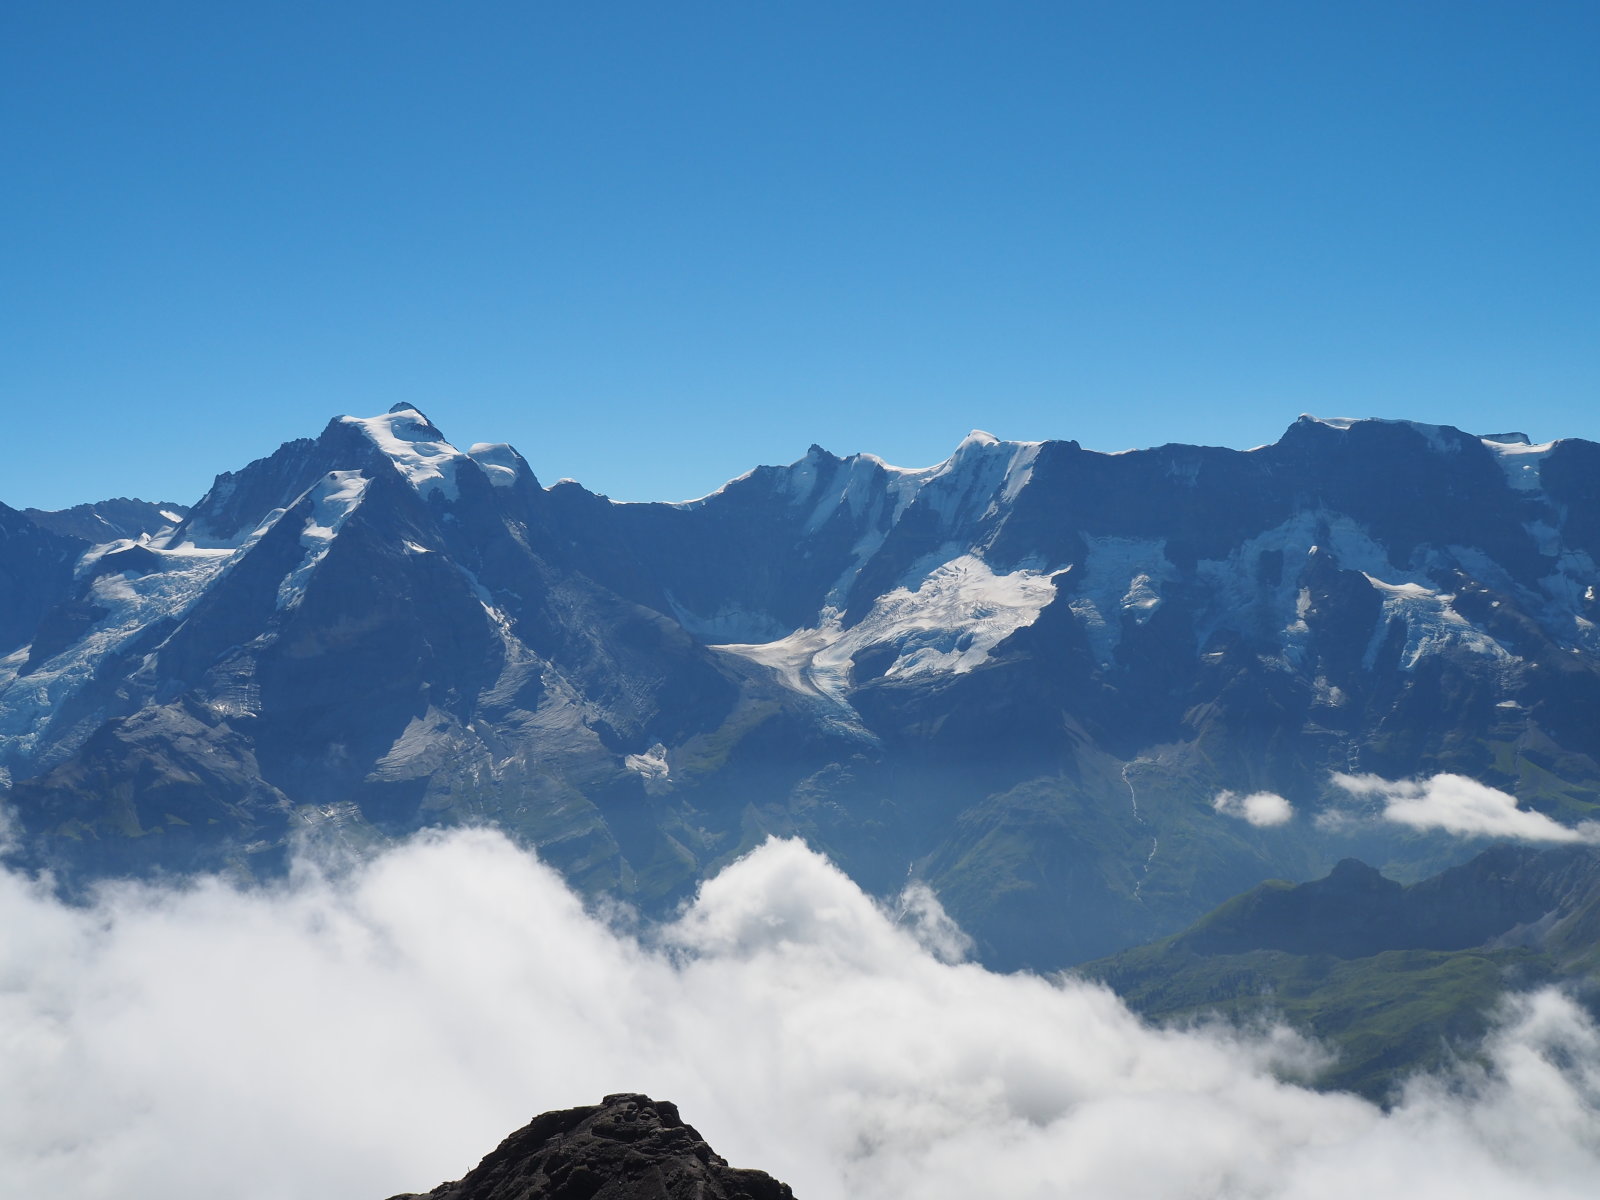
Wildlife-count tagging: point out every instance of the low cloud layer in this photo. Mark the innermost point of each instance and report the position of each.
(349, 1037)
(1262, 809)
(1462, 806)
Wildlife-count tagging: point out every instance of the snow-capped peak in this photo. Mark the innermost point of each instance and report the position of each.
(500, 462)
(984, 469)
(417, 449)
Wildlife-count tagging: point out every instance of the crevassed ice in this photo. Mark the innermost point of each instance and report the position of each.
(1431, 624)
(131, 602)
(948, 623)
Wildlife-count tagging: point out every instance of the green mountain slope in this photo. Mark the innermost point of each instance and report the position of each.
(1392, 979)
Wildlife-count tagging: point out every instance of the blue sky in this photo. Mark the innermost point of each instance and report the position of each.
(652, 245)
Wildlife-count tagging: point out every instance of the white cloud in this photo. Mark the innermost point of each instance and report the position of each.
(1464, 807)
(378, 1031)
(1259, 808)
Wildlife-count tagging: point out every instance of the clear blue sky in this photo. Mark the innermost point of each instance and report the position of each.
(654, 244)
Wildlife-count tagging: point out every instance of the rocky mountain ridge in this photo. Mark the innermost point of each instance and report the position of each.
(1021, 674)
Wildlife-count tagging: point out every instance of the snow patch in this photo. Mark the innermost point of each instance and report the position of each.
(1119, 577)
(1325, 694)
(1242, 598)
(333, 498)
(652, 764)
(1571, 590)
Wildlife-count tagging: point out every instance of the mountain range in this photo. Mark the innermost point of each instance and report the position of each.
(1023, 676)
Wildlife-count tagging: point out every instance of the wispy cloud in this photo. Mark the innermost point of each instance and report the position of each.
(1462, 806)
(354, 1035)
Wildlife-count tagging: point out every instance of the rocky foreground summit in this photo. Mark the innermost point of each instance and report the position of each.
(628, 1147)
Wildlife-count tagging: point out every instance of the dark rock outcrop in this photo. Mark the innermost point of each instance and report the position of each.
(628, 1147)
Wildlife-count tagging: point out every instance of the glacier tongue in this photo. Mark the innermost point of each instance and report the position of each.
(948, 623)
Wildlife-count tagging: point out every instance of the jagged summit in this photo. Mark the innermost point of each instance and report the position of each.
(110, 520)
(628, 1147)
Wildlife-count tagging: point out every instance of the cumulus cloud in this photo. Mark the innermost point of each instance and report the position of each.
(350, 1035)
(1261, 809)
(1462, 806)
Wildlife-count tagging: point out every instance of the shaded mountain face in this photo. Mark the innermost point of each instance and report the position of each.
(35, 573)
(628, 1147)
(1021, 674)
(1526, 895)
(1392, 977)
(109, 520)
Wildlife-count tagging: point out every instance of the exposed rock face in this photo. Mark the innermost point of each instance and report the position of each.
(628, 1147)
(35, 572)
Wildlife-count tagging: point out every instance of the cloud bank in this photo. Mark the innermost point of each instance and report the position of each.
(1462, 806)
(351, 1036)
